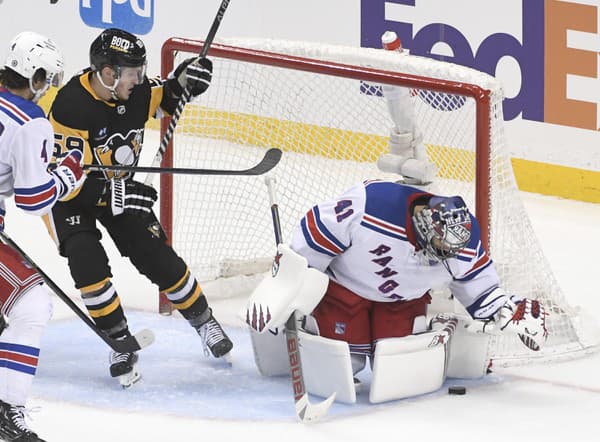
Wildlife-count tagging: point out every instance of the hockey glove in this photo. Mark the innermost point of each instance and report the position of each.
(194, 73)
(131, 197)
(69, 175)
(498, 313)
(526, 318)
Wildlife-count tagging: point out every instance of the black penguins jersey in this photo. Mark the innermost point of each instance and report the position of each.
(108, 132)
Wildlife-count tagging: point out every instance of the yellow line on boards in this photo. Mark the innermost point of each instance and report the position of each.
(562, 181)
(531, 176)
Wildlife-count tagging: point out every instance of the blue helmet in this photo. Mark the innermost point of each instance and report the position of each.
(443, 227)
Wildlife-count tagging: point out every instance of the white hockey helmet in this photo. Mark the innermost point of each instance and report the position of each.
(30, 51)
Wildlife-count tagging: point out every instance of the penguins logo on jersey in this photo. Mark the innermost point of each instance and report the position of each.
(120, 150)
(155, 229)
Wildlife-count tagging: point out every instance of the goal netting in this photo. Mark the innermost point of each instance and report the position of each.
(323, 107)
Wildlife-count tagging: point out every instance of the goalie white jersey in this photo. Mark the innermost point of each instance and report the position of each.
(364, 240)
(26, 144)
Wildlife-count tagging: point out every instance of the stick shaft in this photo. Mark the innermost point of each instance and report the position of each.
(113, 343)
(270, 160)
(186, 95)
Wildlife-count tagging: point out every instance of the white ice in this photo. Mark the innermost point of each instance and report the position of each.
(184, 396)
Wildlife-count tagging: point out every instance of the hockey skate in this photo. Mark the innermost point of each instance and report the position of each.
(13, 426)
(214, 339)
(124, 367)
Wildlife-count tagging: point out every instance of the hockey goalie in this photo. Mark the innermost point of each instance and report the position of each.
(360, 271)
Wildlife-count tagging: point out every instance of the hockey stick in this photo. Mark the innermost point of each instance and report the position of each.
(127, 345)
(186, 95)
(305, 411)
(268, 162)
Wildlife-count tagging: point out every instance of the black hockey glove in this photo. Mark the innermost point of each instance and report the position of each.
(128, 196)
(195, 73)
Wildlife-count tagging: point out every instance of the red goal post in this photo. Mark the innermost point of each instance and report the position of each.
(322, 106)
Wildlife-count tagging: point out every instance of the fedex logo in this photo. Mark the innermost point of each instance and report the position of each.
(554, 72)
(136, 16)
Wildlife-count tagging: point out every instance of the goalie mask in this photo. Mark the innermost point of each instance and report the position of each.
(28, 53)
(443, 227)
(121, 51)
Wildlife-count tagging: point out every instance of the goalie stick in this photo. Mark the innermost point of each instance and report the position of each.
(268, 162)
(129, 344)
(305, 411)
(186, 95)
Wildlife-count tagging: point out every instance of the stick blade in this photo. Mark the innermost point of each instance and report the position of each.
(308, 412)
(269, 161)
(136, 342)
(144, 338)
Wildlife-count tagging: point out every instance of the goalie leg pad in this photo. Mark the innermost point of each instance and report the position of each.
(270, 352)
(407, 366)
(327, 367)
(468, 353)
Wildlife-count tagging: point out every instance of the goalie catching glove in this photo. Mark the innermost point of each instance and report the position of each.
(128, 196)
(522, 316)
(193, 73)
(526, 318)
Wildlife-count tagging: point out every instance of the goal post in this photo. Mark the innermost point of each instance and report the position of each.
(322, 106)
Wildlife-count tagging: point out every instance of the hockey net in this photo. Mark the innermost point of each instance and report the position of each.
(322, 106)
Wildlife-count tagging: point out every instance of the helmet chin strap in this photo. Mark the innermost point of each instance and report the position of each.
(112, 89)
(37, 93)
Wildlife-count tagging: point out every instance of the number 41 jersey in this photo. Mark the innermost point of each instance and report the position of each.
(364, 240)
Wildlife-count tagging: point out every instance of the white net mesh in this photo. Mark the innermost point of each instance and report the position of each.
(332, 129)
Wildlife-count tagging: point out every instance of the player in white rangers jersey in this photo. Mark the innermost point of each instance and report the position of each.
(384, 246)
(26, 147)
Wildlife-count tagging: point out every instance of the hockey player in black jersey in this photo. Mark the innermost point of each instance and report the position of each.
(102, 111)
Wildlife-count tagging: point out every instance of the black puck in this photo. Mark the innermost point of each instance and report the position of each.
(457, 390)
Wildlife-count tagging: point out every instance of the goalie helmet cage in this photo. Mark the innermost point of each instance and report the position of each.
(323, 106)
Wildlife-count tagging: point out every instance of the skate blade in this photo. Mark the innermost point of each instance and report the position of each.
(228, 358)
(128, 379)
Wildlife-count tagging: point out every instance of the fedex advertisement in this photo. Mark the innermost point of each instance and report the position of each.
(544, 51)
(137, 16)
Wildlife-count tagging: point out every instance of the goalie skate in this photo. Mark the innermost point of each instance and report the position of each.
(124, 367)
